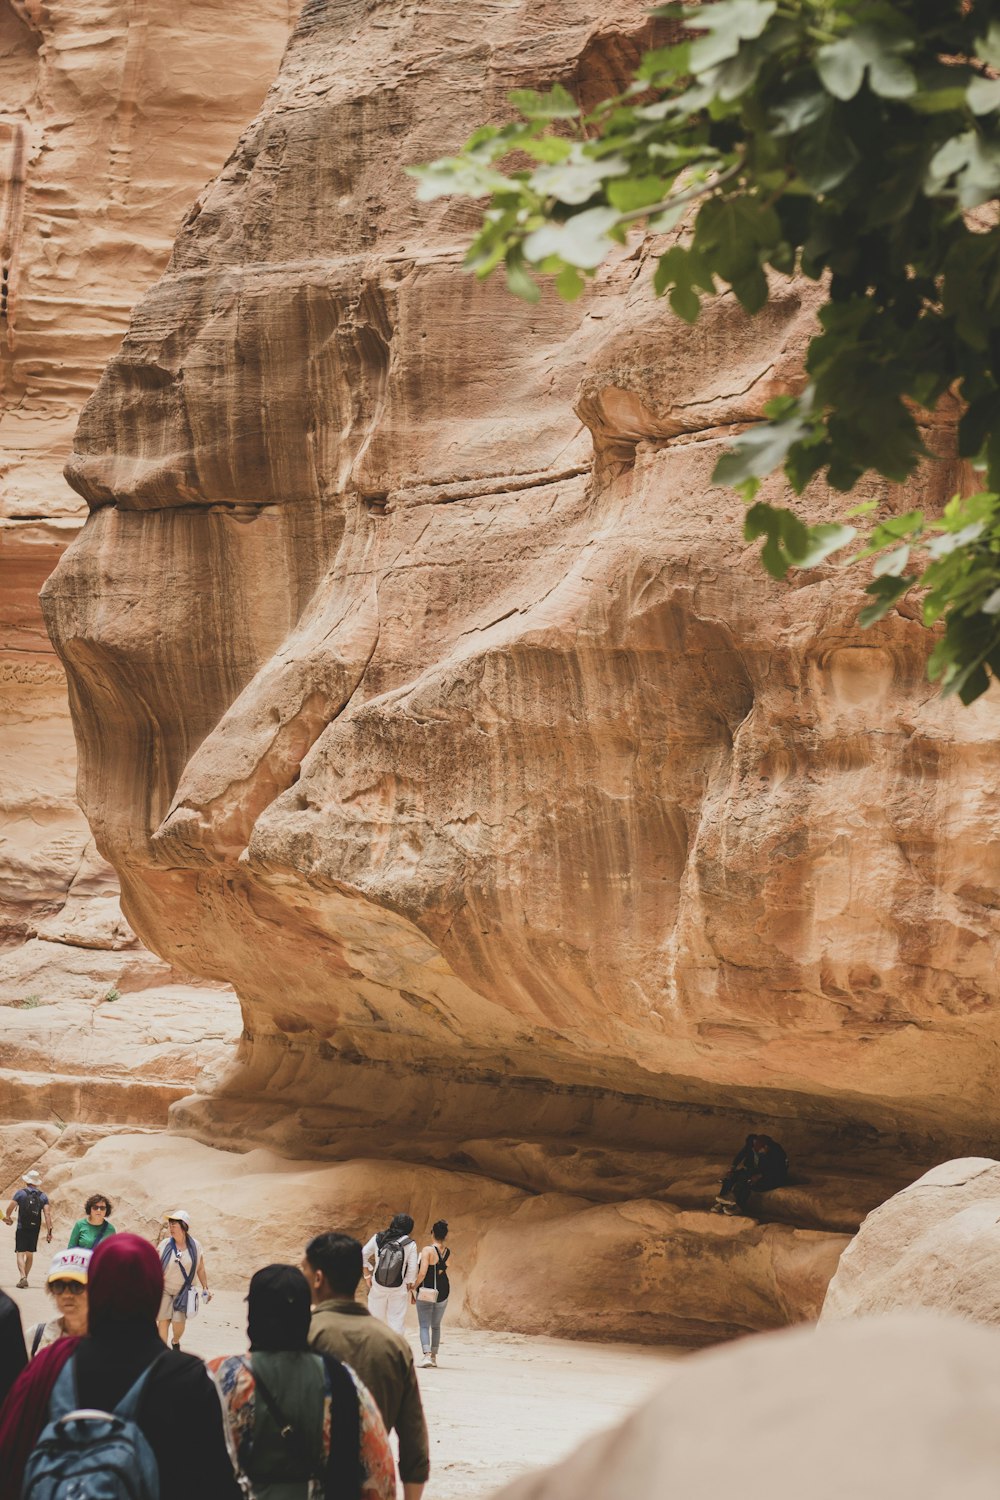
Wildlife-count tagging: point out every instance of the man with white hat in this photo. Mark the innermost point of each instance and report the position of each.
(66, 1284)
(32, 1205)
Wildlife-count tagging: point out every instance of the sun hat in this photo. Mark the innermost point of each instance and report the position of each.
(179, 1213)
(33, 1177)
(69, 1265)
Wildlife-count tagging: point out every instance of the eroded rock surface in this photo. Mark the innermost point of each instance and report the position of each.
(934, 1245)
(509, 793)
(111, 116)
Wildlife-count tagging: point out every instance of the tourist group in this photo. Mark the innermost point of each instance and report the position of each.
(99, 1401)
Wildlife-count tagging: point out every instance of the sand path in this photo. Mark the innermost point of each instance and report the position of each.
(498, 1404)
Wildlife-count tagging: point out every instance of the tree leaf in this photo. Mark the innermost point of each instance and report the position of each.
(518, 280)
(824, 153)
(886, 592)
(637, 192)
(967, 166)
(983, 95)
(581, 241)
(577, 179)
(824, 540)
(893, 563)
(728, 22)
(843, 64)
(557, 104)
(759, 451)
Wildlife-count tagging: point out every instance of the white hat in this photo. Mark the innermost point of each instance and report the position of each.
(179, 1213)
(69, 1265)
(33, 1177)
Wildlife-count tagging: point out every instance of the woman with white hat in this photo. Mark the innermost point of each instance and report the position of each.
(66, 1284)
(182, 1261)
(32, 1205)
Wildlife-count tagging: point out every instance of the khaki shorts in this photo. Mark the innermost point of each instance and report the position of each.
(167, 1312)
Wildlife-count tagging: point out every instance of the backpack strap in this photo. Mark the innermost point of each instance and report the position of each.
(39, 1335)
(63, 1399)
(129, 1403)
(343, 1470)
(296, 1446)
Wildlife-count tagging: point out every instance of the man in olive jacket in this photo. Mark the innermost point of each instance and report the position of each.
(381, 1357)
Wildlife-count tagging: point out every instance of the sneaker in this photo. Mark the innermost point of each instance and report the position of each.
(434, 1361)
(426, 1363)
(731, 1208)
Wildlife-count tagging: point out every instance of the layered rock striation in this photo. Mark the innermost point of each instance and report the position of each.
(425, 691)
(111, 117)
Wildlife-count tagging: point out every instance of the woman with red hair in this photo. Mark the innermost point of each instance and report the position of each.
(179, 1410)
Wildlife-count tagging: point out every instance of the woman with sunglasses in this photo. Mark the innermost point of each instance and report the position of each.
(66, 1284)
(97, 1226)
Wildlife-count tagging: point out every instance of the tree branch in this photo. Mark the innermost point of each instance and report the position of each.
(687, 197)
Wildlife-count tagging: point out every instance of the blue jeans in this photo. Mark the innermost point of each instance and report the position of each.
(430, 1316)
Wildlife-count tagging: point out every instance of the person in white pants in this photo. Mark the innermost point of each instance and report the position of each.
(381, 1257)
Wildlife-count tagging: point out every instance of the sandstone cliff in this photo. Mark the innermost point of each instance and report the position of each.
(112, 114)
(426, 692)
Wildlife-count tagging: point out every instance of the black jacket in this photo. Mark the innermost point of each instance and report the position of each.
(771, 1165)
(180, 1412)
(13, 1355)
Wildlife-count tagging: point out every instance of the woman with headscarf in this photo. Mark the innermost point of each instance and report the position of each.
(179, 1407)
(390, 1266)
(301, 1425)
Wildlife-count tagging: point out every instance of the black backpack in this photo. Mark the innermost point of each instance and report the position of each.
(30, 1216)
(391, 1260)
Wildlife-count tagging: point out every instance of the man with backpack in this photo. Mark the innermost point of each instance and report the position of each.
(390, 1266)
(381, 1357)
(32, 1206)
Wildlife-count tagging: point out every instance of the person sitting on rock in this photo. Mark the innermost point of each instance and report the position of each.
(759, 1167)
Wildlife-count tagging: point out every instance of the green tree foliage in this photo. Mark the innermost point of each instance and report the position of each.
(851, 140)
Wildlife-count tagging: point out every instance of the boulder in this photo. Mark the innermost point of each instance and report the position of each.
(936, 1244)
(874, 1409)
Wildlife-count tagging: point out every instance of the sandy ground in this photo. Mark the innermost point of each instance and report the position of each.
(498, 1404)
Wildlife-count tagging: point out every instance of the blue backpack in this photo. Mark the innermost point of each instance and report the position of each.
(91, 1455)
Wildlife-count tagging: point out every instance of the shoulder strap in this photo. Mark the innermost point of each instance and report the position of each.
(343, 1471)
(39, 1335)
(63, 1399)
(296, 1445)
(188, 1275)
(129, 1403)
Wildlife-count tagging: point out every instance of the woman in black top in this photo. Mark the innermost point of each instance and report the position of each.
(179, 1411)
(432, 1278)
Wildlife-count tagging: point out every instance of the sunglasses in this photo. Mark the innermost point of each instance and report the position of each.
(75, 1288)
(100, 1208)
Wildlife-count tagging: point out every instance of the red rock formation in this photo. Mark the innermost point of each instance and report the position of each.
(500, 781)
(111, 117)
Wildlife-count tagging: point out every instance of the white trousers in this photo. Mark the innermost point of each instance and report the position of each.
(389, 1303)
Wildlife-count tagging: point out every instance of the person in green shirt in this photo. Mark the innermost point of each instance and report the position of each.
(89, 1232)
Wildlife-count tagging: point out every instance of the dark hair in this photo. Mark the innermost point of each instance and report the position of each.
(338, 1256)
(97, 1198)
(278, 1309)
(401, 1225)
(439, 1229)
